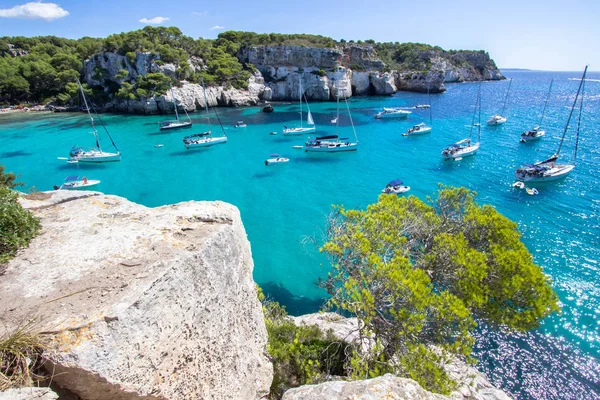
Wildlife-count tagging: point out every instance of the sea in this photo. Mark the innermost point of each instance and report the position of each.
(284, 206)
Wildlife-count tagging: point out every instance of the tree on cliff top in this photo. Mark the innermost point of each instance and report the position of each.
(419, 275)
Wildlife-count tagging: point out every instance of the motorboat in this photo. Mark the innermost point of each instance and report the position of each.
(422, 105)
(204, 139)
(76, 182)
(537, 133)
(496, 120)
(395, 187)
(500, 119)
(309, 119)
(272, 133)
(240, 124)
(177, 123)
(419, 129)
(94, 155)
(276, 159)
(393, 113)
(533, 134)
(297, 147)
(549, 170)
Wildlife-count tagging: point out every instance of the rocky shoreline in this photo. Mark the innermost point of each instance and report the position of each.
(278, 70)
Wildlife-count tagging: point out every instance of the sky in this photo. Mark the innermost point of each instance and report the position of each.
(547, 35)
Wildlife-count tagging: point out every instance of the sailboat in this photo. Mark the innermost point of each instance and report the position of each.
(177, 124)
(95, 155)
(500, 119)
(549, 170)
(422, 128)
(309, 119)
(333, 143)
(205, 139)
(537, 133)
(466, 147)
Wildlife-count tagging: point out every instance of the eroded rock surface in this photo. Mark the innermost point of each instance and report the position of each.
(28, 393)
(141, 303)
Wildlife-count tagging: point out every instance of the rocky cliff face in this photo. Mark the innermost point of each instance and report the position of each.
(141, 303)
(349, 70)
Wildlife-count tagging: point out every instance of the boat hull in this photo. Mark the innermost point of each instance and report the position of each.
(538, 136)
(298, 131)
(331, 148)
(421, 131)
(554, 174)
(397, 115)
(466, 152)
(182, 125)
(206, 143)
(105, 157)
(78, 185)
(499, 121)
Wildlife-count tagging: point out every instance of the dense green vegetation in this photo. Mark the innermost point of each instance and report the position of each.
(17, 225)
(419, 275)
(43, 69)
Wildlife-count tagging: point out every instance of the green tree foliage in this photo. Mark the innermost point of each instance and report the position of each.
(300, 354)
(17, 225)
(419, 275)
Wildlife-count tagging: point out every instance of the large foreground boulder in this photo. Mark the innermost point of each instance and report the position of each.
(141, 303)
(28, 393)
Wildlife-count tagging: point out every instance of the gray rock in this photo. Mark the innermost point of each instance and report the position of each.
(152, 303)
(29, 393)
(361, 83)
(383, 83)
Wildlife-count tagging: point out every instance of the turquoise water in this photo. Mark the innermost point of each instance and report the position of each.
(284, 206)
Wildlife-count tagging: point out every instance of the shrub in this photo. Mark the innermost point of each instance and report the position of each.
(17, 225)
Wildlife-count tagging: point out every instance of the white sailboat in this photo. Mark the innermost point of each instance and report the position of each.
(309, 119)
(422, 128)
(537, 133)
(94, 155)
(333, 143)
(205, 139)
(177, 124)
(548, 170)
(466, 147)
(501, 119)
(393, 113)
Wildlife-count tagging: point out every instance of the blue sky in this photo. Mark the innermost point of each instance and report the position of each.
(548, 35)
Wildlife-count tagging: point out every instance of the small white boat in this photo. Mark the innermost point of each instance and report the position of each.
(422, 106)
(330, 144)
(395, 187)
(393, 113)
(465, 148)
(272, 133)
(204, 139)
(177, 123)
(496, 120)
(334, 121)
(419, 129)
(158, 146)
(240, 124)
(276, 159)
(532, 191)
(309, 119)
(76, 182)
(297, 147)
(534, 134)
(518, 185)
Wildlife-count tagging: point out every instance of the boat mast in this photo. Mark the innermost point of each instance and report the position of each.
(506, 98)
(429, 100)
(337, 117)
(350, 116)
(546, 103)
(474, 113)
(579, 123)
(479, 121)
(562, 139)
(174, 103)
(300, 93)
(89, 115)
(206, 105)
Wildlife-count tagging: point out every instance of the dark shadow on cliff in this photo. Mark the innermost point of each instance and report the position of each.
(294, 305)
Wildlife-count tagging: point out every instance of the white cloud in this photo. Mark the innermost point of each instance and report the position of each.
(217, 27)
(47, 11)
(155, 20)
(200, 14)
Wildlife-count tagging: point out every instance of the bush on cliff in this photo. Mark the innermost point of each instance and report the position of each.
(17, 225)
(419, 275)
(300, 355)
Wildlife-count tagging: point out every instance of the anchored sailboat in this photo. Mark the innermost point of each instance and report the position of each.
(333, 143)
(501, 119)
(309, 119)
(537, 133)
(549, 170)
(422, 128)
(96, 155)
(177, 124)
(205, 139)
(465, 147)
